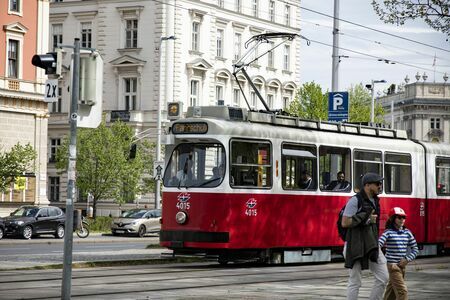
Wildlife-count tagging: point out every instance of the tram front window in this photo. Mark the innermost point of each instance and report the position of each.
(195, 165)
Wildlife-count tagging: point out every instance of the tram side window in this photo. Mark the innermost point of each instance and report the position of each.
(333, 160)
(299, 167)
(443, 176)
(397, 173)
(365, 161)
(251, 164)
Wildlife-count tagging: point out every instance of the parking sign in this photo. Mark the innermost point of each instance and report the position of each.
(338, 106)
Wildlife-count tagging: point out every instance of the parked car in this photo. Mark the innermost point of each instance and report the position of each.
(28, 221)
(137, 221)
(2, 228)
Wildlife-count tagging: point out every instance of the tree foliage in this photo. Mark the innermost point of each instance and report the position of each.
(14, 163)
(104, 167)
(434, 12)
(312, 103)
(360, 105)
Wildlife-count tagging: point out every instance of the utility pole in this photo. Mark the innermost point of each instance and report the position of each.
(335, 55)
(71, 175)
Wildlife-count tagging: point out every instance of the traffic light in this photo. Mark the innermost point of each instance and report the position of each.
(50, 62)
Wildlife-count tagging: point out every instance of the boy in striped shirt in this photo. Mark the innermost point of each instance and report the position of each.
(401, 248)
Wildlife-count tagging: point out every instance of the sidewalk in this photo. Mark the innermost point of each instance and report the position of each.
(92, 238)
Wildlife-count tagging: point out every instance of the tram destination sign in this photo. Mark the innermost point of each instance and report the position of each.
(190, 128)
(338, 106)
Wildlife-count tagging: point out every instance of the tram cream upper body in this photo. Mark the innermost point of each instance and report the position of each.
(223, 130)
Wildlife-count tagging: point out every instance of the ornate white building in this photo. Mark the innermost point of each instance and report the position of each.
(165, 51)
(421, 108)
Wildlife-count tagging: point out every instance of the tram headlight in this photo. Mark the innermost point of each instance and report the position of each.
(181, 217)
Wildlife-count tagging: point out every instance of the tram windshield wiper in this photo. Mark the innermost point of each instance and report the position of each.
(207, 182)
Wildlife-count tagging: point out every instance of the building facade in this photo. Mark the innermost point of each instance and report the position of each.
(422, 109)
(23, 113)
(173, 51)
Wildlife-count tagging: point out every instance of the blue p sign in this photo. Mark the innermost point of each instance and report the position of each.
(338, 106)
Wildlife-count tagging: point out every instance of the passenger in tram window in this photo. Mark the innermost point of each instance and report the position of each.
(340, 184)
(306, 181)
(361, 248)
(401, 249)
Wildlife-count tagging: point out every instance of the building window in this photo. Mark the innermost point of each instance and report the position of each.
(57, 35)
(286, 57)
(195, 36)
(194, 93)
(220, 34)
(435, 123)
(14, 5)
(131, 34)
(57, 106)
(130, 94)
(220, 3)
(270, 55)
(237, 45)
(54, 145)
(236, 97)
(272, 11)
(253, 99)
(219, 94)
(270, 100)
(86, 35)
(285, 102)
(255, 8)
(54, 189)
(287, 15)
(238, 5)
(13, 56)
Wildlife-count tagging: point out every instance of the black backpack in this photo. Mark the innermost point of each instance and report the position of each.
(341, 230)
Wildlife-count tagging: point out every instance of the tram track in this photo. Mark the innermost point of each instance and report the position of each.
(116, 282)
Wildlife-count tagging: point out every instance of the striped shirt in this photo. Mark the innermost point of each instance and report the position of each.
(399, 244)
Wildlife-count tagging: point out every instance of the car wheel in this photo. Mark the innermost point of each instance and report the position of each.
(27, 232)
(141, 231)
(59, 234)
(2, 233)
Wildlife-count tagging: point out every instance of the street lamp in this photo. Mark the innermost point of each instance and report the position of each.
(158, 122)
(372, 104)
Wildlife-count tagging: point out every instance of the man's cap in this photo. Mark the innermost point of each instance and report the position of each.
(371, 178)
(397, 211)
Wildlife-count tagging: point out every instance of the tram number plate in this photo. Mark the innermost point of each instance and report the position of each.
(251, 212)
(183, 205)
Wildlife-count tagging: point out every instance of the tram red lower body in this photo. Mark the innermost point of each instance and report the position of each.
(262, 221)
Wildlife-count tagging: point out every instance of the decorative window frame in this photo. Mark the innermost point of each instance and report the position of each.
(129, 13)
(15, 31)
(13, 12)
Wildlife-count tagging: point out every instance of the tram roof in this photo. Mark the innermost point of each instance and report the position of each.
(238, 115)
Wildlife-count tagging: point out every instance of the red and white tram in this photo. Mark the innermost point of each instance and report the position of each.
(234, 184)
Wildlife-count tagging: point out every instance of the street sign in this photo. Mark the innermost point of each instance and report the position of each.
(158, 167)
(338, 106)
(51, 90)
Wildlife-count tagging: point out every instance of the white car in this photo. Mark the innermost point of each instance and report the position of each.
(137, 221)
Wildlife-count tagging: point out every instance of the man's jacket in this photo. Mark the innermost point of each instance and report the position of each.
(362, 238)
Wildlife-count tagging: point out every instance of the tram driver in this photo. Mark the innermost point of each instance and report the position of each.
(185, 176)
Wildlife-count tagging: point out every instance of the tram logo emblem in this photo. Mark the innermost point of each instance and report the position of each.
(251, 203)
(184, 197)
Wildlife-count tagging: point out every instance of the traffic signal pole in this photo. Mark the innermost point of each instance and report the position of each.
(71, 174)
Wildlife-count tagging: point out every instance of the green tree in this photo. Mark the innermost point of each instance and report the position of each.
(14, 163)
(310, 103)
(435, 13)
(104, 167)
(360, 103)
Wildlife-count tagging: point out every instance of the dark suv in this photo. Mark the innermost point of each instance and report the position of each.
(2, 228)
(27, 221)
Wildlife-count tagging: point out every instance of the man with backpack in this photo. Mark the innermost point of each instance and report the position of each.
(361, 250)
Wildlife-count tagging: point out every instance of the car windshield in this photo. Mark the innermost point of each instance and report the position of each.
(134, 213)
(196, 165)
(25, 212)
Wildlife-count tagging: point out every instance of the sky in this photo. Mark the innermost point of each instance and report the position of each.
(316, 61)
